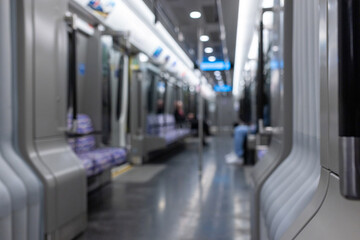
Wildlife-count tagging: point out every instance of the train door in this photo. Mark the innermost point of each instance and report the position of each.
(89, 89)
(135, 110)
(119, 80)
(147, 106)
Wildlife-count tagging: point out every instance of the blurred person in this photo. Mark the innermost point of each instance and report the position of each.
(194, 123)
(241, 132)
(179, 113)
(159, 106)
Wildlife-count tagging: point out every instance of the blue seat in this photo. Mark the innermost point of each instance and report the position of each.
(95, 160)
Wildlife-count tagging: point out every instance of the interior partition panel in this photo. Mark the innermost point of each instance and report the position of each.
(42, 50)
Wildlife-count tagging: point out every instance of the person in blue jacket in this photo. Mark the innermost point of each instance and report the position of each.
(240, 134)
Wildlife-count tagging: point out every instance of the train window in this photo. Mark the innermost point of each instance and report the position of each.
(179, 94)
(106, 94)
(161, 89)
(156, 93)
(171, 100)
(151, 93)
(270, 63)
(193, 100)
(186, 96)
(120, 76)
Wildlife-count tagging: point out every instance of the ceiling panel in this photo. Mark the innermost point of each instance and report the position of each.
(178, 12)
(210, 13)
(230, 13)
(183, 19)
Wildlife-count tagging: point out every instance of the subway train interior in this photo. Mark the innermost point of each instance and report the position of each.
(179, 119)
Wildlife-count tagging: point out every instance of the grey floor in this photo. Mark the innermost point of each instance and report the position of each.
(165, 200)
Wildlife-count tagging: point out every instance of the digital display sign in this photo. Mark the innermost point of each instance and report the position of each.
(215, 66)
(222, 88)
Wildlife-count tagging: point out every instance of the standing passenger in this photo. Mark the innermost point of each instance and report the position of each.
(159, 106)
(179, 113)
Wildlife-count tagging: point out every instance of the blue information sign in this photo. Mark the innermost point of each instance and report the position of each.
(222, 88)
(215, 66)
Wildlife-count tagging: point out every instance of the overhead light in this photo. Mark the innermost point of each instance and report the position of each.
(101, 28)
(195, 14)
(247, 18)
(143, 57)
(222, 36)
(208, 50)
(268, 19)
(268, 3)
(275, 48)
(212, 59)
(204, 38)
(217, 73)
(181, 37)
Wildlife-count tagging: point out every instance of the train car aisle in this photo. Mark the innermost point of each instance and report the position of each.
(163, 200)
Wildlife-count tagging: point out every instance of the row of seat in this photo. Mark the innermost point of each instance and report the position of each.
(164, 126)
(94, 159)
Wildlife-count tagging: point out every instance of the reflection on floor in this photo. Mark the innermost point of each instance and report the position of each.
(164, 200)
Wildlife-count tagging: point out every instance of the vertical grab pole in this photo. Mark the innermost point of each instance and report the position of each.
(349, 97)
(120, 87)
(200, 108)
(261, 79)
(201, 130)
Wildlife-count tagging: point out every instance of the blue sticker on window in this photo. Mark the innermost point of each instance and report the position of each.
(82, 69)
(104, 6)
(157, 52)
(274, 64)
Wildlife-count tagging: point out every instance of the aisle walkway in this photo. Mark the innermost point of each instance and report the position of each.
(164, 200)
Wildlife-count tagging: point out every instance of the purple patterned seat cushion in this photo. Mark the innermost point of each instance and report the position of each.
(170, 122)
(94, 160)
(118, 155)
(84, 126)
(164, 126)
(89, 165)
(152, 124)
(84, 144)
(182, 132)
(84, 123)
(101, 160)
